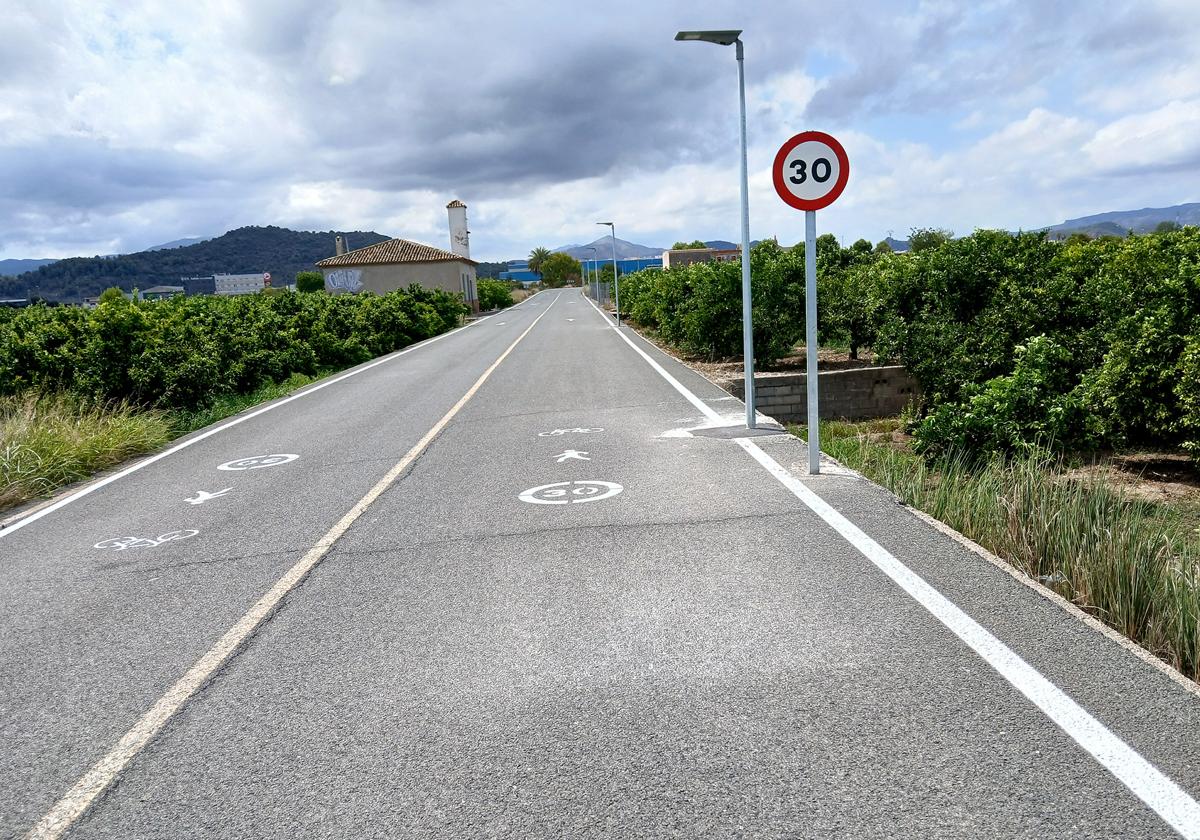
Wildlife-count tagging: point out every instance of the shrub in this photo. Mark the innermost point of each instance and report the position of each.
(494, 294)
(310, 281)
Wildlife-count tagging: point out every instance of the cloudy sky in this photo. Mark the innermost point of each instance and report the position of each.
(127, 124)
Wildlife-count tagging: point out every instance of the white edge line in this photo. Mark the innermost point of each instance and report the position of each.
(271, 406)
(1174, 805)
(100, 776)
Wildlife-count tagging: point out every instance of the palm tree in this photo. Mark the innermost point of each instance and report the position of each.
(536, 257)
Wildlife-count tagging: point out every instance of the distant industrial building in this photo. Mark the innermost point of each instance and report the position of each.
(519, 269)
(399, 263)
(239, 284)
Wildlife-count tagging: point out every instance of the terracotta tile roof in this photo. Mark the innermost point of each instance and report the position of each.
(390, 252)
(455, 203)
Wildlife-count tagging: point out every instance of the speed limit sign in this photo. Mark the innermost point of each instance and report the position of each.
(811, 170)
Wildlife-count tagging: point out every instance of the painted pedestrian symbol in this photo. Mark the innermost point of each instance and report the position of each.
(558, 432)
(203, 496)
(570, 492)
(572, 453)
(257, 462)
(122, 543)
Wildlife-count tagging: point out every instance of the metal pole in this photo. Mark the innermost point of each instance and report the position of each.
(612, 230)
(747, 312)
(810, 347)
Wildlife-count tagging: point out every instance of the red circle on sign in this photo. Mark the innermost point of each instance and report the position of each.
(828, 198)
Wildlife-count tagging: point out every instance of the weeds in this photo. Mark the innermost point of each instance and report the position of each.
(48, 441)
(1131, 563)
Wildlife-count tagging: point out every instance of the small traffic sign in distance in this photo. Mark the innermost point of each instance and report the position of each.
(810, 170)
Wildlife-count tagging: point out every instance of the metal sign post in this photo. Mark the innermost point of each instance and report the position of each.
(810, 172)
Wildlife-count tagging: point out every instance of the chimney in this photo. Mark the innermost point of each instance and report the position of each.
(460, 237)
(339, 245)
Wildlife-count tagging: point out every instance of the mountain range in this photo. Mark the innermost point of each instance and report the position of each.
(284, 252)
(604, 248)
(1121, 222)
(247, 250)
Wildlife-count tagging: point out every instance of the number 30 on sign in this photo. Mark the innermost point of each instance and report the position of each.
(811, 170)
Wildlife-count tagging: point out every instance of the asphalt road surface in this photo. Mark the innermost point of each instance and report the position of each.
(493, 586)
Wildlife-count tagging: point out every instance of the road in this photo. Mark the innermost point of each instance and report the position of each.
(517, 582)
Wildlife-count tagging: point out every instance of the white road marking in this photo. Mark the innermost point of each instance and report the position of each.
(572, 453)
(571, 492)
(105, 771)
(1178, 809)
(203, 496)
(117, 476)
(258, 462)
(122, 543)
(558, 432)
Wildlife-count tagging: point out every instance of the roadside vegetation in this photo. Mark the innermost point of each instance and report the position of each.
(1130, 562)
(494, 294)
(81, 390)
(50, 440)
(1018, 343)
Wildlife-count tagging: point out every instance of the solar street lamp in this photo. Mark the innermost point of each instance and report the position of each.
(726, 37)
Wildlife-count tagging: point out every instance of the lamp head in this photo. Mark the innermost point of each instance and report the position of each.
(724, 37)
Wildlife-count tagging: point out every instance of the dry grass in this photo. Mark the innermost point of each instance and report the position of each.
(1133, 563)
(49, 441)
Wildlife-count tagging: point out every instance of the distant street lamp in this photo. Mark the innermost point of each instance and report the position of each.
(590, 273)
(725, 37)
(616, 283)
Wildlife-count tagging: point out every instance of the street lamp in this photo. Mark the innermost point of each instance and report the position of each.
(591, 274)
(616, 283)
(725, 37)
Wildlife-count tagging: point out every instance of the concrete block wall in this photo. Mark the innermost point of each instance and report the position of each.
(855, 394)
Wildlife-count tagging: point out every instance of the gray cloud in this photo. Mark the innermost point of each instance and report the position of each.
(495, 100)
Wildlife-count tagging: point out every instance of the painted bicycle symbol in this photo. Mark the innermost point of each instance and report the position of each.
(257, 462)
(122, 543)
(558, 432)
(570, 492)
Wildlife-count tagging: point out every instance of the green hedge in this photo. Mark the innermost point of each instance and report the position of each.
(186, 351)
(1015, 340)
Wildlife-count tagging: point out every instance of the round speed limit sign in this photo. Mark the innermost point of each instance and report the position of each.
(811, 170)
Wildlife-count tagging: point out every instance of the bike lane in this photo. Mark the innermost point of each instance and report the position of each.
(506, 646)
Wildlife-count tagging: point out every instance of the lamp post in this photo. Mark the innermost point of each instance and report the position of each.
(616, 283)
(725, 37)
(587, 270)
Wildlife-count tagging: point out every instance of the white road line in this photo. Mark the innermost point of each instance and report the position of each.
(91, 488)
(105, 771)
(1178, 809)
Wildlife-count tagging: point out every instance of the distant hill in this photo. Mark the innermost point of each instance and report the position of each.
(248, 250)
(179, 243)
(10, 267)
(1120, 222)
(625, 250)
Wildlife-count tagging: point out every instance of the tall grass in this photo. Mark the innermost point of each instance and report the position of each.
(1131, 563)
(48, 441)
(226, 405)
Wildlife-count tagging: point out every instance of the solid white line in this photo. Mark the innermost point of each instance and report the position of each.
(105, 771)
(93, 487)
(1178, 809)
